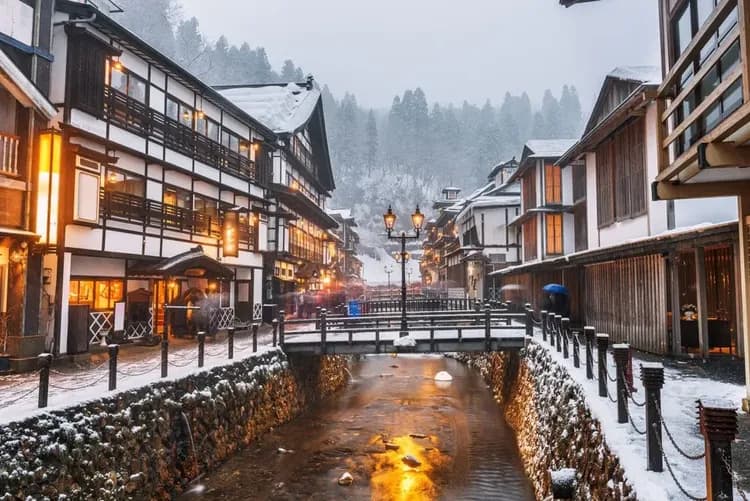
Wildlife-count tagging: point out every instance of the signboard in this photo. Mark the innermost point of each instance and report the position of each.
(230, 234)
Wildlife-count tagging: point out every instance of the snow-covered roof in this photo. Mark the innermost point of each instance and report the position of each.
(451, 188)
(548, 148)
(283, 108)
(22, 89)
(344, 213)
(643, 74)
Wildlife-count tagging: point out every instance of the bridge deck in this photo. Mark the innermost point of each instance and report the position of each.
(467, 339)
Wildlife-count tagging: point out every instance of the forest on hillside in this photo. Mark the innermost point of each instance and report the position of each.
(403, 154)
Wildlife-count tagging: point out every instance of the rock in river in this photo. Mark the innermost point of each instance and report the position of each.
(346, 479)
(411, 461)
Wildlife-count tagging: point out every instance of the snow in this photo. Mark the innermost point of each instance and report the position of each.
(373, 269)
(67, 389)
(564, 477)
(443, 376)
(644, 74)
(549, 148)
(282, 108)
(405, 341)
(678, 397)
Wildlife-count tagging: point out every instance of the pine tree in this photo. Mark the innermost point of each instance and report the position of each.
(288, 72)
(552, 116)
(371, 141)
(191, 48)
(570, 112)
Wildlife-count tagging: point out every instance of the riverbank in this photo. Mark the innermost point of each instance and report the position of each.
(150, 442)
(553, 424)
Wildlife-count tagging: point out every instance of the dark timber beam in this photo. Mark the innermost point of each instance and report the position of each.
(664, 190)
(722, 154)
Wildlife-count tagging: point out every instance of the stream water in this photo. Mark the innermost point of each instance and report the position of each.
(455, 430)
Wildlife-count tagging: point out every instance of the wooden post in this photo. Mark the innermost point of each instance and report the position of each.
(552, 328)
(350, 337)
(565, 329)
(164, 357)
(621, 360)
(743, 292)
(275, 330)
(113, 349)
(230, 343)
(529, 321)
(652, 376)
(201, 347)
(589, 334)
(281, 328)
(317, 317)
(702, 300)
(544, 325)
(718, 424)
(377, 340)
(323, 328)
(487, 328)
(432, 334)
(576, 350)
(602, 340)
(255, 337)
(674, 301)
(44, 361)
(558, 333)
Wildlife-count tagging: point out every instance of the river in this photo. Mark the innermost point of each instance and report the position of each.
(455, 430)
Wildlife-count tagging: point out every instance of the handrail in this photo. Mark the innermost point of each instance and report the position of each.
(396, 328)
(9, 154)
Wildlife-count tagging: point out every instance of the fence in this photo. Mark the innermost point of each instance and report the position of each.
(717, 420)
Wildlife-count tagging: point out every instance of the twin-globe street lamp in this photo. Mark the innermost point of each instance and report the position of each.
(390, 221)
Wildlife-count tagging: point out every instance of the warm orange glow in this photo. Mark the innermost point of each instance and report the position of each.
(389, 218)
(392, 479)
(417, 219)
(48, 186)
(117, 64)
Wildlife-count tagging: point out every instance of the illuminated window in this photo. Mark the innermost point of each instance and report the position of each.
(552, 184)
(554, 233)
(99, 294)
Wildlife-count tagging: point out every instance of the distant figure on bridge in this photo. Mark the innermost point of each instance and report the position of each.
(556, 299)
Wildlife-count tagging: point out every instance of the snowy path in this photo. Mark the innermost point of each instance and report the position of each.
(19, 392)
(679, 410)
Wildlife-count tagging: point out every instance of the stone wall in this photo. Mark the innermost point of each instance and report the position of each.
(554, 426)
(137, 444)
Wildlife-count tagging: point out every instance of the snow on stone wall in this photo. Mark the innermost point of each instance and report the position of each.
(554, 426)
(136, 445)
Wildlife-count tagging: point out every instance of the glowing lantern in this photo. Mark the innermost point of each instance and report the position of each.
(48, 186)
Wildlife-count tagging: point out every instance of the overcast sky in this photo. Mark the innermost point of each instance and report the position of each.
(471, 49)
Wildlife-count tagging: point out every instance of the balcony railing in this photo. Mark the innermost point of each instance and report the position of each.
(135, 209)
(9, 154)
(135, 116)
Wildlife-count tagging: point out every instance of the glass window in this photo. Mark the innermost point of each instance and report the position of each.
(186, 115)
(137, 88)
(122, 182)
(683, 31)
(177, 197)
(201, 125)
(173, 109)
(119, 80)
(554, 233)
(552, 184)
(704, 8)
(99, 294)
(213, 130)
(230, 140)
(205, 206)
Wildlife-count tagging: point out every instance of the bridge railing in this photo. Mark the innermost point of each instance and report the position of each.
(418, 305)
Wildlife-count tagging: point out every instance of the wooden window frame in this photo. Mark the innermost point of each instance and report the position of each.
(557, 237)
(552, 184)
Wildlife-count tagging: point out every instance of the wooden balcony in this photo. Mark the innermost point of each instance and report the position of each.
(9, 146)
(704, 104)
(136, 117)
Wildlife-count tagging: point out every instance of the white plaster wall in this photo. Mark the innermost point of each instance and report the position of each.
(17, 20)
(592, 214)
(566, 178)
(262, 235)
(706, 210)
(178, 159)
(117, 241)
(87, 122)
(179, 91)
(155, 150)
(64, 302)
(257, 286)
(178, 179)
(236, 126)
(154, 190)
(234, 182)
(204, 188)
(130, 163)
(134, 64)
(83, 237)
(59, 50)
(206, 170)
(156, 99)
(622, 231)
(125, 138)
(158, 77)
(569, 237)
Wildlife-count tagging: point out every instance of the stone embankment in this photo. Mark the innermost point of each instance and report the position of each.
(553, 424)
(151, 442)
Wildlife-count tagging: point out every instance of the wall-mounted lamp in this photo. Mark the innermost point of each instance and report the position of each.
(48, 186)
(117, 64)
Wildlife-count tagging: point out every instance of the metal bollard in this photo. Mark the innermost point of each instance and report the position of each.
(544, 325)
(323, 329)
(281, 329)
(558, 333)
(201, 347)
(652, 375)
(602, 340)
(563, 483)
(230, 343)
(589, 334)
(275, 329)
(164, 357)
(565, 332)
(551, 322)
(718, 424)
(529, 321)
(576, 350)
(621, 360)
(255, 338)
(113, 349)
(44, 361)
(487, 328)
(377, 340)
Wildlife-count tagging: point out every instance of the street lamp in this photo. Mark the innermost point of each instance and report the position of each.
(388, 270)
(389, 218)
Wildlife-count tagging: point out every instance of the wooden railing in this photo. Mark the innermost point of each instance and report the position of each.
(135, 116)
(134, 209)
(9, 154)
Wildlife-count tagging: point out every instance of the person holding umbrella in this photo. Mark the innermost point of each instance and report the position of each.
(556, 299)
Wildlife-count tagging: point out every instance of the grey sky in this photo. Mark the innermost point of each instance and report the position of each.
(473, 49)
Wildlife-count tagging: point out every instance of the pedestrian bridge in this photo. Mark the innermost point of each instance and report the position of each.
(433, 332)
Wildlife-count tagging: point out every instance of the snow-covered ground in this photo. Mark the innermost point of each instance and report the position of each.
(374, 269)
(19, 392)
(679, 410)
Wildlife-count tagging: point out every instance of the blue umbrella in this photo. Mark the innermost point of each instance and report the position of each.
(555, 289)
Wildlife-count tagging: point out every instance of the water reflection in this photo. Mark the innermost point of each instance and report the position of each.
(454, 430)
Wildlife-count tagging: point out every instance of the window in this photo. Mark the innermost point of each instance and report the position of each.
(579, 182)
(230, 140)
(528, 183)
(621, 175)
(177, 198)
(552, 184)
(580, 227)
(99, 294)
(128, 83)
(179, 112)
(123, 182)
(553, 225)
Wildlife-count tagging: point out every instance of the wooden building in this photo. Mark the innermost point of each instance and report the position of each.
(152, 164)
(25, 112)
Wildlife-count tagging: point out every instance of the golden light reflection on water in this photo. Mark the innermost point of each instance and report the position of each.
(394, 480)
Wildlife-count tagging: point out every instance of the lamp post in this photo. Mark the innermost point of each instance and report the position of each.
(388, 270)
(390, 221)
